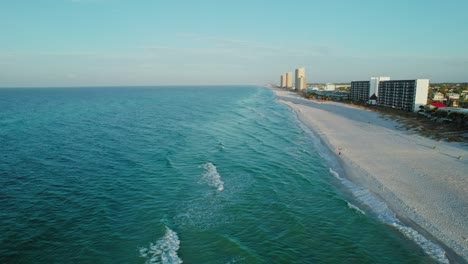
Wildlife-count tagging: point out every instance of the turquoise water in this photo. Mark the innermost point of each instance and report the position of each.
(176, 174)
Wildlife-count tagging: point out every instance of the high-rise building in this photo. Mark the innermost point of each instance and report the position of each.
(359, 91)
(283, 81)
(406, 95)
(374, 85)
(301, 82)
(366, 91)
(289, 80)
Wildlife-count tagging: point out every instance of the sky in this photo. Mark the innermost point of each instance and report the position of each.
(210, 42)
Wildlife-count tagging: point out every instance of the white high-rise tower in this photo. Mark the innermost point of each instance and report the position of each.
(289, 80)
(301, 82)
(283, 81)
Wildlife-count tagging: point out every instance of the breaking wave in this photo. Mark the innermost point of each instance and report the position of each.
(212, 177)
(386, 215)
(164, 251)
(354, 207)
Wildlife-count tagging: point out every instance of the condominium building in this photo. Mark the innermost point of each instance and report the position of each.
(283, 81)
(289, 80)
(406, 95)
(374, 85)
(301, 83)
(359, 91)
(366, 91)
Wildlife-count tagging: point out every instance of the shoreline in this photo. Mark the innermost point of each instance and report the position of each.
(420, 179)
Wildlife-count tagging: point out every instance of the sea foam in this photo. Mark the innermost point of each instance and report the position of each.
(164, 251)
(212, 177)
(386, 215)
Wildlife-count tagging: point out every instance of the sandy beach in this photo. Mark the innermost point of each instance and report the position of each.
(425, 182)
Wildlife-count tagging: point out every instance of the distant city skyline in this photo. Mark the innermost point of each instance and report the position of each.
(207, 42)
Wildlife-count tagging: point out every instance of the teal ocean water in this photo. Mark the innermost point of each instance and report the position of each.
(178, 174)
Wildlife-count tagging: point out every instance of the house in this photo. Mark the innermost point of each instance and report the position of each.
(453, 96)
(437, 96)
(438, 105)
(452, 99)
(464, 95)
(452, 103)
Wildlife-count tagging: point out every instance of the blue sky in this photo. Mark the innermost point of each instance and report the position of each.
(157, 42)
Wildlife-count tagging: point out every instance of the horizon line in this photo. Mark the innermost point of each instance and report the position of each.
(127, 86)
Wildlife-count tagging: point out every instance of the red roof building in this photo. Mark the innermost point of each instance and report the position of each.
(438, 105)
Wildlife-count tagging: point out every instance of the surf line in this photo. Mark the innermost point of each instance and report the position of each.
(386, 215)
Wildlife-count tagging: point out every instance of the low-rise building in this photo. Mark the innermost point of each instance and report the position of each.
(452, 96)
(342, 86)
(437, 96)
(333, 95)
(330, 87)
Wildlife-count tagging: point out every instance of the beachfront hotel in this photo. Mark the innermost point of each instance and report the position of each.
(374, 88)
(366, 91)
(359, 91)
(301, 83)
(406, 95)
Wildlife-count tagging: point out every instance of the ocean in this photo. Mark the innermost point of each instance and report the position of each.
(179, 174)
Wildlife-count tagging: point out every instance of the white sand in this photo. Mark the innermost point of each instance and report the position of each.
(426, 186)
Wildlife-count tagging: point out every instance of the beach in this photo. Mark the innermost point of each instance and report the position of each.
(424, 181)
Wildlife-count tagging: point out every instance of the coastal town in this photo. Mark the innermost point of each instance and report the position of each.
(441, 107)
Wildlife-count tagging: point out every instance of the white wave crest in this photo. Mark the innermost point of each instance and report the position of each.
(212, 177)
(164, 251)
(386, 215)
(352, 206)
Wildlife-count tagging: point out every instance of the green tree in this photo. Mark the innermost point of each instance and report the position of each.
(440, 113)
(459, 119)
